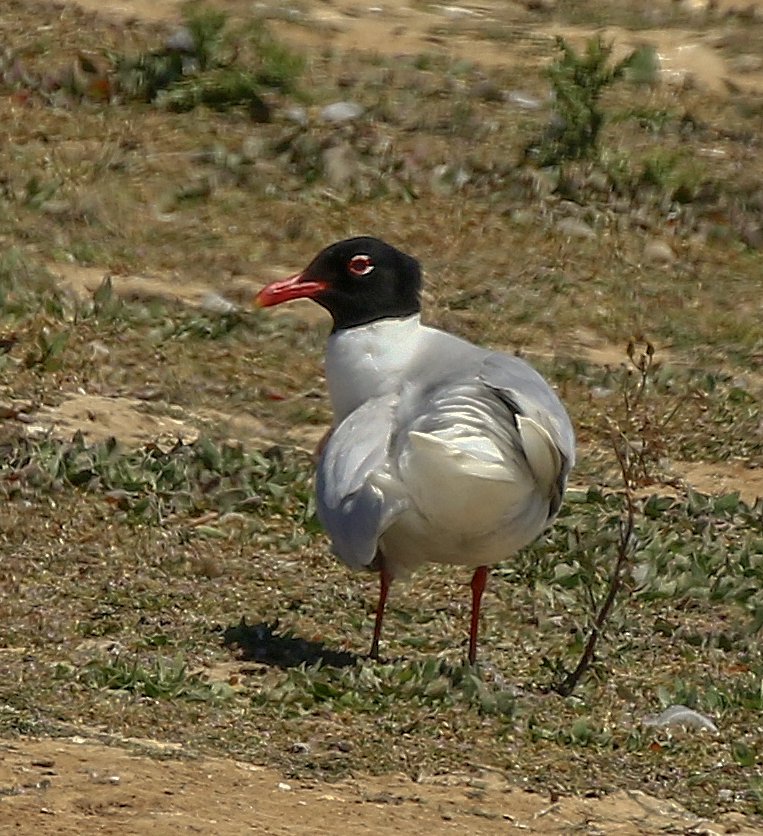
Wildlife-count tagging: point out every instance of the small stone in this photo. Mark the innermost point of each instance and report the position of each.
(447, 179)
(570, 209)
(755, 200)
(522, 217)
(456, 12)
(657, 251)
(101, 778)
(747, 63)
(574, 228)
(342, 112)
(56, 208)
(544, 181)
(599, 182)
(296, 114)
(752, 235)
(340, 165)
(524, 101)
(284, 786)
(99, 350)
(181, 40)
(149, 393)
(253, 148)
(601, 392)
(215, 303)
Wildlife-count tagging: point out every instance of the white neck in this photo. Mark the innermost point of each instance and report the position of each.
(369, 360)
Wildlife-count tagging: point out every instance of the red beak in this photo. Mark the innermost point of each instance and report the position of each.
(295, 287)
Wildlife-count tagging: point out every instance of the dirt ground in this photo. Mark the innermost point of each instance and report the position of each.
(76, 786)
(87, 782)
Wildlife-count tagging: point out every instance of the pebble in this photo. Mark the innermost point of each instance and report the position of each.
(752, 235)
(215, 303)
(574, 228)
(598, 181)
(544, 181)
(296, 114)
(522, 217)
(340, 165)
(747, 63)
(657, 251)
(570, 209)
(57, 208)
(457, 12)
(181, 40)
(679, 715)
(253, 148)
(523, 100)
(342, 112)
(99, 350)
(447, 180)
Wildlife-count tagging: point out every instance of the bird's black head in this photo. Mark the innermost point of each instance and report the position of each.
(358, 281)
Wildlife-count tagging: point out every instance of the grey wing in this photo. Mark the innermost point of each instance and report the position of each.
(356, 496)
(545, 427)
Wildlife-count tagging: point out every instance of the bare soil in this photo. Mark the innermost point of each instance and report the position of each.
(76, 785)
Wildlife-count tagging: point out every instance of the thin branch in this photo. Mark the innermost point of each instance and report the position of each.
(569, 683)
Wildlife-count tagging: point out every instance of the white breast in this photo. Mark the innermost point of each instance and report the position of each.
(369, 361)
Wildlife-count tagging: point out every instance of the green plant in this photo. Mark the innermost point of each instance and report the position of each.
(277, 65)
(50, 347)
(150, 484)
(219, 88)
(206, 27)
(220, 67)
(26, 287)
(369, 687)
(578, 81)
(165, 679)
(636, 439)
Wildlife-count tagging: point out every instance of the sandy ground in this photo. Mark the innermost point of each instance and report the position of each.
(405, 27)
(93, 783)
(77, 786)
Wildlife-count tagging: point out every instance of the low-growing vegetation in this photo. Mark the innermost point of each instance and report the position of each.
(177, 585)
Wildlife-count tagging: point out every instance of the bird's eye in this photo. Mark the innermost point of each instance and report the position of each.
(360, 265)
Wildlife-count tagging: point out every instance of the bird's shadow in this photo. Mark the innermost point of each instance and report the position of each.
(261, 643)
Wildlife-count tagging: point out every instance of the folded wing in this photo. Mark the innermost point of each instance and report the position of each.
(548, 440)
(357, 498)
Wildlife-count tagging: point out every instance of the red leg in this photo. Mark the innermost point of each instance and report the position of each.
(385, 580)
(479, 579)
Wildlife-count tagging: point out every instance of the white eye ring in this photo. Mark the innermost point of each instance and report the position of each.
(360, 265)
